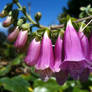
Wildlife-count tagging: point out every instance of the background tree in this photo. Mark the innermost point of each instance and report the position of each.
(74, 8)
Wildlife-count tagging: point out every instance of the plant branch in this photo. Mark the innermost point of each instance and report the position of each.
(79, 20)
(28, 16)
(41, 26)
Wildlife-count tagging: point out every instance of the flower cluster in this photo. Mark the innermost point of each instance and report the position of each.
(20, 36)
(71, 56)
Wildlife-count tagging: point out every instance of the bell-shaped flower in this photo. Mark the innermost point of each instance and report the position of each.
(13, 35)
(85, 46)
(84, 43)
(90, 50)
(45, 63)
(58, 54)
(74, 59)
(61, 76)
(33, 53)
(8, 21)
(21, 39)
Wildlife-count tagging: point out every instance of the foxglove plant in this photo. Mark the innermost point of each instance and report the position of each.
(33, 53)
(84, 43)
(74, 59)
(85, 46)
(21, 39)
(90, 50)
(89, 57)
(45, 62)
(58, 54)
(61, 76)
(13, 35)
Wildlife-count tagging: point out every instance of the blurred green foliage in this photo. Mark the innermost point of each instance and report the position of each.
(73, 8)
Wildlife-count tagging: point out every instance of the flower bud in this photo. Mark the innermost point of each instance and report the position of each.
(3, 14)
(6, 10)
(21, 39)
(8, 21)
(13, 35)
(25, 26)
(21, 21)
(38, 16)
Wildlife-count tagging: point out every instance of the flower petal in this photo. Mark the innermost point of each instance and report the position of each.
(13, 35)
(72, 45)
(21, 39)
(46, 58)
(74, 59)
(58, 54)
(33, 53)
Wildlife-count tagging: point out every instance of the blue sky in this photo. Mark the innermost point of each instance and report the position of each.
(50, 9)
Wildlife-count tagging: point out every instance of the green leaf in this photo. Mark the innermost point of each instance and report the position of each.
(15, 84)
(41, 86)
(82, 8)
(17, 60)
(41, 89)
(5, 70)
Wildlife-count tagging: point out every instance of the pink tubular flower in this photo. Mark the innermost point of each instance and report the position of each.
(21, 39)
(13, 35)
(84, 42)
(58, 54)
(8, 21)
(90, 53)
(33, 53)
(85, 46)
(61, 76)
(45, 61)
(90, 50)
(74, 59)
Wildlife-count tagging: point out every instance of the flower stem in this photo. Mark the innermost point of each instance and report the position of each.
(28, 17)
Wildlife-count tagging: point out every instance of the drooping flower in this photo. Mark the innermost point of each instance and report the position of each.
(58, 53)
(13, 35)
(90, 53)
(90, 50)
(61, 76)
(21, 39)
(84, 43)
(85, 46)
(45, 61)
(33, 53)
(8, 21)
(74, 59)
